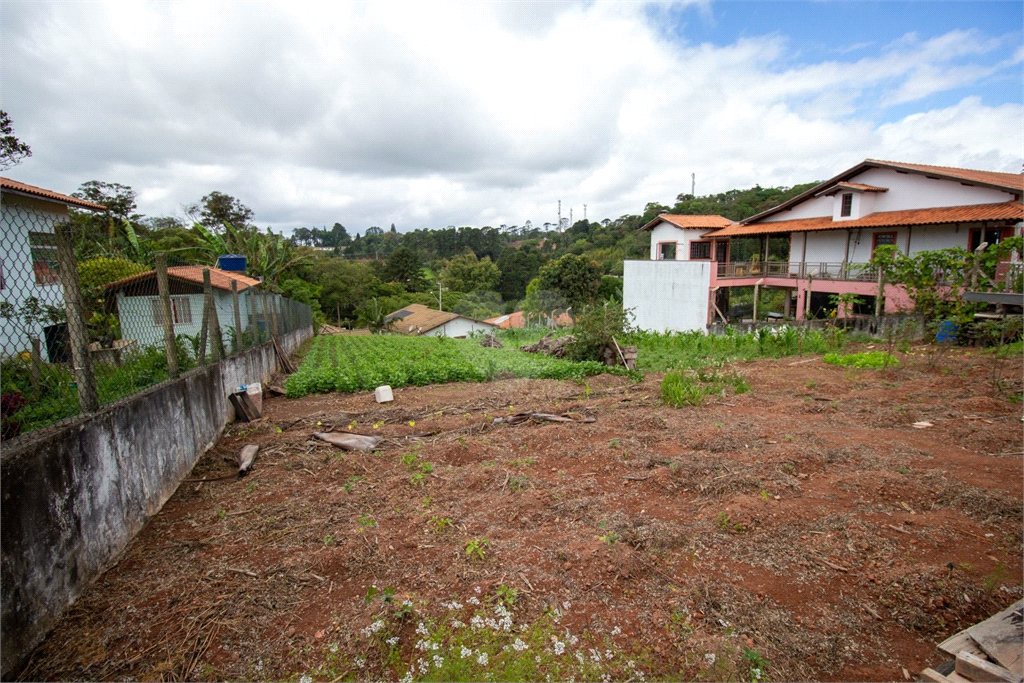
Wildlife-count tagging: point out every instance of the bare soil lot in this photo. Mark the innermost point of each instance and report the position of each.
(807, 521)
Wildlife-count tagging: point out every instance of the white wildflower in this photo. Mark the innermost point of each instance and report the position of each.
(392, 641)
(566, 605)
(305, 679)
(595, 655)
(360, 662)
(608, 654)
(559, 647)
(438, 661)
(482, 659)
(452, 605)
(424, 667)
(476, 589)
(406, 603)
(473, 601)
(616, 631)
(457, 624)
(756, 673)
(477, 621)
(407, 678)
(579, 657)
(519, 645)
(710, 658)
(465, 652)
(422, 629)
(572, 639)
(631, 664)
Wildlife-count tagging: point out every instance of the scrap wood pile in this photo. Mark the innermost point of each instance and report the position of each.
(990, 651)
(551, 347)
(611, 354)
(491, 342)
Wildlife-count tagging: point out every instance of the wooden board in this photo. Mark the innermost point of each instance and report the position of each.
(980, 669)
(961, 642)
(1002, 638)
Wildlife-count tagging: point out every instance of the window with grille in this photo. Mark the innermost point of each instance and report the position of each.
(847, 209)
(181, 311)
(43, 246)
(700, 250)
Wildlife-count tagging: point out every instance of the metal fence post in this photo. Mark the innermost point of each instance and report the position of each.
(164, 288)
(85, 379)
(237, 344)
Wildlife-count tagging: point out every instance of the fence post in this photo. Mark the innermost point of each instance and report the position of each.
(213, 326)
(164, 288)
(237, 345)
(881, 292)
(85, 379)
(36, 376)
(205, 323)
(266, 316)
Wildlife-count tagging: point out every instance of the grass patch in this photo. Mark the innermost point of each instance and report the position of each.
(872, 360)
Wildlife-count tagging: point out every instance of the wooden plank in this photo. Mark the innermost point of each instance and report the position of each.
(981, 670)
(933, 676)
(961, 642)
(957, 678)
(1002, 638)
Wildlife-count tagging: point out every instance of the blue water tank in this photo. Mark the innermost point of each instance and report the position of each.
(234, 263)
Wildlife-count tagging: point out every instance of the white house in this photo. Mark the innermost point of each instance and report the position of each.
(417, 319)
(29, 272)
(831, 231)
(140, 312)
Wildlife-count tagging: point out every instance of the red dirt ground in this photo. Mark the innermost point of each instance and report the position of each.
(807, 519)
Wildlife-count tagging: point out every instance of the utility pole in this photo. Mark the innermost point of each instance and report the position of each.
(693, 184)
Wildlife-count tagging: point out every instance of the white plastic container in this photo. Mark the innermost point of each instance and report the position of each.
(383, 394)
(255, 392)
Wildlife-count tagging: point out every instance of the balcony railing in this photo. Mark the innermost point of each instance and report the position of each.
(856, 272)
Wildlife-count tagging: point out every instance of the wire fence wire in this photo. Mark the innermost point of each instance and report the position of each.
(79, 335)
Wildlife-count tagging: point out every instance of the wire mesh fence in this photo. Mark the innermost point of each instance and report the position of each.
(79, 335)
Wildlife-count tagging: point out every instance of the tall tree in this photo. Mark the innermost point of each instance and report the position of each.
(467, 273)
(404, 267)
(575, 278)
(217, 209)
(12, 150)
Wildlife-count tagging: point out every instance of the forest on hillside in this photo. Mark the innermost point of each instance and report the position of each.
(355, 279)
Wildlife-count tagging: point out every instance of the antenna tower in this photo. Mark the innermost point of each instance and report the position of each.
(584, 212)
(693, 184)
(559, 215)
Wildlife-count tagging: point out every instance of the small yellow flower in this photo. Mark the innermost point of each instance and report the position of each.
(412, 423)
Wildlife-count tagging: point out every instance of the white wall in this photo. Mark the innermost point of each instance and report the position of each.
(18, 216)
(459, 327)
(666, 232)
(667, 295)
(811, 208)
(913, 191)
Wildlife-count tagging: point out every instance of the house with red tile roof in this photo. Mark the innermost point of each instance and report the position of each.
(823, 241)
(141, 315)
(29, 269)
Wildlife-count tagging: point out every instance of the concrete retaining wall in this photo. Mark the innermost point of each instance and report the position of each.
(74, 497)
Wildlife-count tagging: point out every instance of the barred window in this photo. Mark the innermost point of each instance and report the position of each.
(700, 250)
(181, 311)
(43, 246)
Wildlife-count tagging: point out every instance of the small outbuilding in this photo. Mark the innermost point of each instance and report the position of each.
(419, 320)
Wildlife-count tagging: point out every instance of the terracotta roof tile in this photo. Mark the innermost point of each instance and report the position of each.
(219, 279)
(886, 219)
(1009, 181)
(685, 221)
(43, 193)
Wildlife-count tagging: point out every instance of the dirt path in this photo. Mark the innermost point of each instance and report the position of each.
(806, 523)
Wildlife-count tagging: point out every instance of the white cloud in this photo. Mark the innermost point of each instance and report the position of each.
(426, 114)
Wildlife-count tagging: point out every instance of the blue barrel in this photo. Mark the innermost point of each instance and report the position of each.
(947, 332)
(234, 263)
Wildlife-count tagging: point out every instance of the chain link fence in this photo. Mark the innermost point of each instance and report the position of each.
(79, 335)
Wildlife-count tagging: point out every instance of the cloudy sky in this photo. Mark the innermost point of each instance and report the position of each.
(427, 114)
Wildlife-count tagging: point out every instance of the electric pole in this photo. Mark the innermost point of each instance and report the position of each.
(693, 184)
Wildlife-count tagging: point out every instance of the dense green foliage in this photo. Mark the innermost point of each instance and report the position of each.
(355, 363)
(869, 359)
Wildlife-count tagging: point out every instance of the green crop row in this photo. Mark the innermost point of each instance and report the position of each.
(350, 364)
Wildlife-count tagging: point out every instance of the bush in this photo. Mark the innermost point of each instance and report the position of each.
(595, 328)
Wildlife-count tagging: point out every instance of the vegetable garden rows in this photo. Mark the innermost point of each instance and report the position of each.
(350, 364)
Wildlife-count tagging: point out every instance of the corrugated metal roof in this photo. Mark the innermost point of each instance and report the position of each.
(43, 193)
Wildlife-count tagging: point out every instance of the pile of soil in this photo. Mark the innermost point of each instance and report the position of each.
(807, 521)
